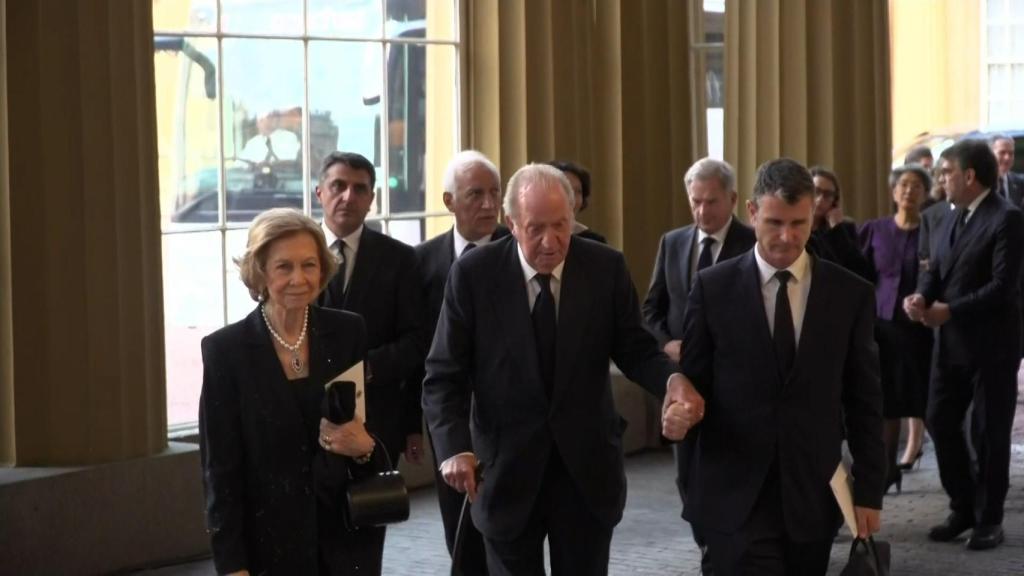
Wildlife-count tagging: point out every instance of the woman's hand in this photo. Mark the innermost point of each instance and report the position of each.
(348, 439)
(240, 573)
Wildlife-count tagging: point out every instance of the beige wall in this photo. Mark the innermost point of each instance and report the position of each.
(936, 61)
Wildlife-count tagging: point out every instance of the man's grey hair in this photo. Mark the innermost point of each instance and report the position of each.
(535, 174)
(464, 160)
(709, 168)
(997, 137)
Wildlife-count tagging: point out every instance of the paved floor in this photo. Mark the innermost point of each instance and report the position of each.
(652, 540)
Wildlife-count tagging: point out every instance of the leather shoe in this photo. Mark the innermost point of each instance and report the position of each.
(954, 525)
(985, 537)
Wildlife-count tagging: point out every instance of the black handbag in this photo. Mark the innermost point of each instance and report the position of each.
(372, 496)
(378, 498)
(867, 558)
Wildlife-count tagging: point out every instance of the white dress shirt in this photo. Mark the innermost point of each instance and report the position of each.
(461, 243)
(533, 286)
(798, 289)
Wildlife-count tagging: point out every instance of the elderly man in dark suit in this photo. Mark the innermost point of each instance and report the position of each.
(971, 292)
(779, 349)
(377, 279)
(518, 386)
(715, 236)
(1009, 184)
(472, 193)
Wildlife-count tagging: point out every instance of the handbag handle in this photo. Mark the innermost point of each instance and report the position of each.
(869, 545)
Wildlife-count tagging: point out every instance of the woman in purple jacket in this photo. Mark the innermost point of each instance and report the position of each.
(904, 347)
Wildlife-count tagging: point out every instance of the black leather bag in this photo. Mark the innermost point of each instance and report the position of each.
(374, 493)
(868, 558)
(378, 498)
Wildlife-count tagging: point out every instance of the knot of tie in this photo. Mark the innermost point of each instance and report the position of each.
(544, 280)
(783, 276)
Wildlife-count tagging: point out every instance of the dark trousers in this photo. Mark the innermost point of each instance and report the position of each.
(685, 460)
(345, 552)
(579, 544)
(977, 494)
(762, 548)
(473, 561)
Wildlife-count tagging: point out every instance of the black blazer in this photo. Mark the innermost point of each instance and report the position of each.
(434, 259)
(978, 276)
(591, 235)
(484, 349)
(839, 245)
(384, 289)
(665, 305)
(931, 222)
(261, 508)
(754, 417)
(1016, 185)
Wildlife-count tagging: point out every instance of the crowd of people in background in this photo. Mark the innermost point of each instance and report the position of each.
(771, 345)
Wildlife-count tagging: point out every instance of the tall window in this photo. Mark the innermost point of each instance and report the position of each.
(1004, 63)
(251, 95)
(707, 42)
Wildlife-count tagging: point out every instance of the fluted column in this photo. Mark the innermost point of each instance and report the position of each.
(809, 79)
(86, 353)
(605, 83)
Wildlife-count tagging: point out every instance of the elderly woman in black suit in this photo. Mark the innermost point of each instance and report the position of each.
(260, 419)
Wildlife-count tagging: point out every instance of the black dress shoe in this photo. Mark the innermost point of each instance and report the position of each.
(985, 537)
(954, 525)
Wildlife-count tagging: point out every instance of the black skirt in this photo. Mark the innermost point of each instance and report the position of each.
(904, 353)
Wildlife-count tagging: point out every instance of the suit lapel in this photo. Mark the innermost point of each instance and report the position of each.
(362, 272)
(971, 229)
(752, 300)
(687, 253)
(512, 309)
(448, 250)
(813, 329)
(572, 320)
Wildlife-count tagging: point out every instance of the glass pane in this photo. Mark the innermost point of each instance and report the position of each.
(419, 19)
(436, 225)
(276, 17)
(408, 231)
(187, 128)
(263, 95)
(193, 307)
(998, 82)
(996, 10)
(414, 71)
(343, 118)
(185, 15)
(346, 18)
(239, 302)
(713, 22)
(1018, 42)
(998, 43)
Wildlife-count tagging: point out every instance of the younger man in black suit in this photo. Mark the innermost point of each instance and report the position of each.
(779, 347)
(970, 291)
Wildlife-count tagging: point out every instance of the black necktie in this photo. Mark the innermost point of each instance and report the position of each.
(785, 335)
(545, 327)
(705, 253)
(468, 247)
(340, 281)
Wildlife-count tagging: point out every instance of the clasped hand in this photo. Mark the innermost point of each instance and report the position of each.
(349, 439)
(683, 408)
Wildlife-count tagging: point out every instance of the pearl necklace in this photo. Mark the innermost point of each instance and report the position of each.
(294, 349)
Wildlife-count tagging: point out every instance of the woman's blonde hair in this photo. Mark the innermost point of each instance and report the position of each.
(269, 227)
